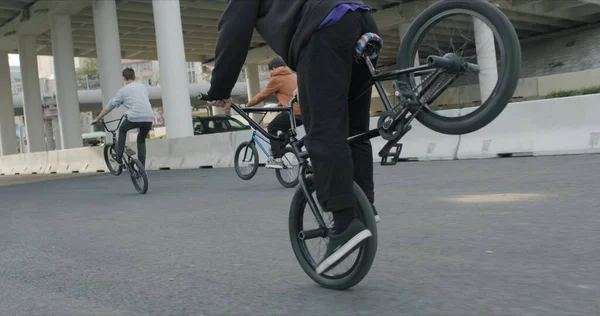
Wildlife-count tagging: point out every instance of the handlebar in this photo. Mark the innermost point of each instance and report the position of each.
(105, 122)
(253, 124)
(204, 97)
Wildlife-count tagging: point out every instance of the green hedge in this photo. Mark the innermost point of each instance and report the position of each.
(574, 92)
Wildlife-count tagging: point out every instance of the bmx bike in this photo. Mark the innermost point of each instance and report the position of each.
(134, 167)
(246, 160)
(416, 88)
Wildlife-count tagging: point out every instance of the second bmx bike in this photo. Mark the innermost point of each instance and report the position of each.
(134, 167)
(246, 158)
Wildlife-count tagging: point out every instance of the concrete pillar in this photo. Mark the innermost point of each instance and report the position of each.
(32, 97)
(8, 137)
(253, 87)
(486, 58)
(50, 137)
(56, 132)
(20, 120)
(108, 50)
(66, 83)
(173, 74)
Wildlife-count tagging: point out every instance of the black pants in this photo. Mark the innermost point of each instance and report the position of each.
(144, 129)
(328, 78)
(280, 123)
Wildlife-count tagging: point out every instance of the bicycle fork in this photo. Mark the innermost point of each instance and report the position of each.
(304, 168)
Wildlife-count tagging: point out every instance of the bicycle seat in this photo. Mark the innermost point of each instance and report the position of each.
(368, 46)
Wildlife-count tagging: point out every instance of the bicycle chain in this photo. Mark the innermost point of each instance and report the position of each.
(423, 81)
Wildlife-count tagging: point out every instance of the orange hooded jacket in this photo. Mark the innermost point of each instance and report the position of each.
(283, 82)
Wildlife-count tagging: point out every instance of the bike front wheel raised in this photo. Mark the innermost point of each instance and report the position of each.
(138, 175)
(246, 160)
(478, 33)
(310, 250)
(112, 165)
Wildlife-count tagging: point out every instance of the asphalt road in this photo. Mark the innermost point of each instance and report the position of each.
(30, 178)
(515, 236)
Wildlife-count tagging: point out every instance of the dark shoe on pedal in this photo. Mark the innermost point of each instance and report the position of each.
(341, 245)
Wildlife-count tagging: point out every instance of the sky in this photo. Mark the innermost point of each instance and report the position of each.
(13, 59)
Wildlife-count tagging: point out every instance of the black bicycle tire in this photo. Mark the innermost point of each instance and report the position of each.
(503, 91)
(107, 149)
(368, 251)
(237, 166)
(142, 170)
(284, 183)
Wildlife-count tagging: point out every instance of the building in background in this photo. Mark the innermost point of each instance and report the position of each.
(146, 71)
(15, 80)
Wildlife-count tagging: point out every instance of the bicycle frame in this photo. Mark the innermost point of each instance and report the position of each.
(435, 67)
(257, 137)
(114, 138)
(257, 128)
(113, 132)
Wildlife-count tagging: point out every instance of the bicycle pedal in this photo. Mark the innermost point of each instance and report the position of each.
(403, 89)
(406, 96)
(394, 155)
(130, 151)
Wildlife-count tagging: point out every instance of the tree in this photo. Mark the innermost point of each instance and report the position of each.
(89, 70)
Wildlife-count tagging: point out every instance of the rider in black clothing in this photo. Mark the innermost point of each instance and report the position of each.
(316, 38)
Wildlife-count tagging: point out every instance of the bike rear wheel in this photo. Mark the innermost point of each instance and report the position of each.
(138, 176)
(497, 52)
(248, 165)
(111, 164)
(288, 177)
(301, 219)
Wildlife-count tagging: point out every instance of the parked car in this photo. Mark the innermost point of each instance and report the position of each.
(216, 124)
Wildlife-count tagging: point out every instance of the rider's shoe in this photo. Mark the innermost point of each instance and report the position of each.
(276, 163)
(375, 213)
(119, 160)
(341, 245)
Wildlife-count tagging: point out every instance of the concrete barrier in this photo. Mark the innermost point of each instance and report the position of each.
(85, 160)
(421, 143)
(203, 151)
(96, 160)
(53, 164)
(35, 163)
(64, 165)
(12, 164)
(543, 127)
(77, 159)
(157, 154)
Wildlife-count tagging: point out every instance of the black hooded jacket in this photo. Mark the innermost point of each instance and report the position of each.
(285, 25)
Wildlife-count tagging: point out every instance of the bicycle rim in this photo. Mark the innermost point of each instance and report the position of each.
(478, 33)
(246, 160)
(352, 269)
(138, 176)
(288, 176)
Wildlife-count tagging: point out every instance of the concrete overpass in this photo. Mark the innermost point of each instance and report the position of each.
(175, 31)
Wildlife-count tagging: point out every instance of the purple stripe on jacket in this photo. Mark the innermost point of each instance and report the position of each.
(339, 11)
